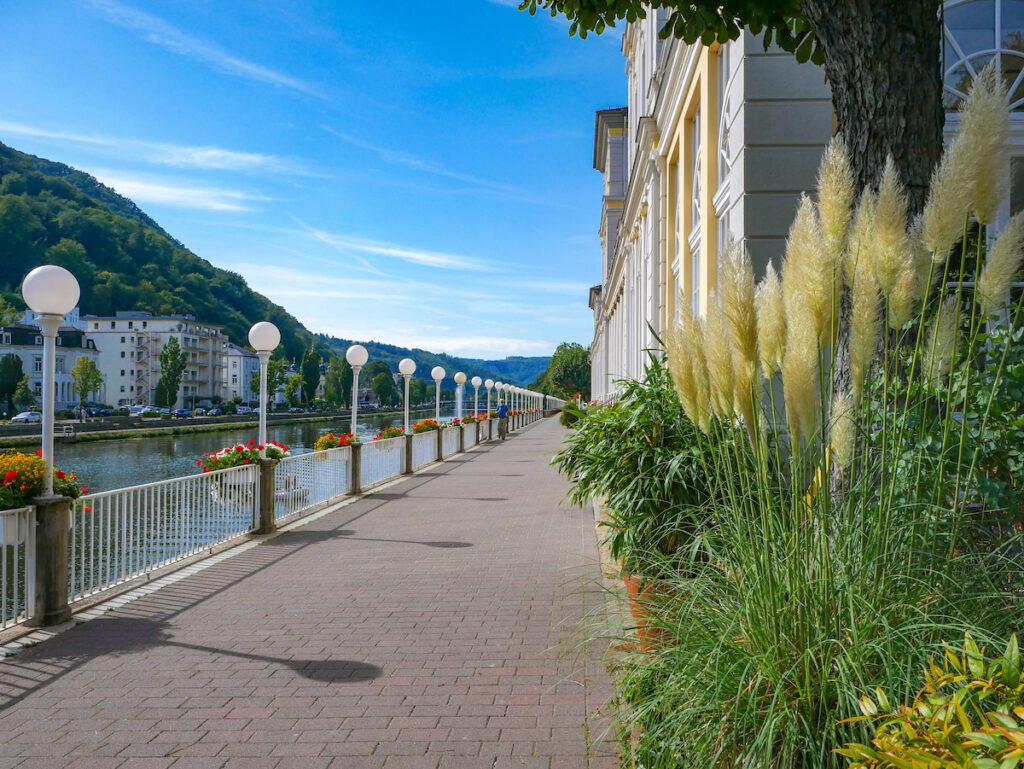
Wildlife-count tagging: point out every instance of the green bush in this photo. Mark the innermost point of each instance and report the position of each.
(970, 713)
(570, 414)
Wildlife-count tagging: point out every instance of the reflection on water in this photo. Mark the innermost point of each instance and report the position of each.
(105, 465)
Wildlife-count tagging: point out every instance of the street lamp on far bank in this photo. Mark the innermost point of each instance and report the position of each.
(264, 338)
(437, 374)
(407, 367)
(356, 355)
(51, 292)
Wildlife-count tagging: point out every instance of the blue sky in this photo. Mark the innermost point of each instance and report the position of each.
(410, 175)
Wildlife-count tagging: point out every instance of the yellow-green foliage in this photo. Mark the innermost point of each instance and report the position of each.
(970, 715)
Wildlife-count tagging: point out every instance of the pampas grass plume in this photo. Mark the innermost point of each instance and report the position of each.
(771, 322)
(807, 271)
(891, 248)
(841, 430)
(718, 350)
(938, 357)
(862, 237)
(984, 131)
(699, 371)
(799, 376)
(865, 327)
(835, 199)
(1002, 266)
(680, 364)
(736, 279)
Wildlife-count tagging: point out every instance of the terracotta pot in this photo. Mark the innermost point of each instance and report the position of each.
(643, 603)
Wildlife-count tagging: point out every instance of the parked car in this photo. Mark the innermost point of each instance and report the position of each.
(165, 412)
(182, 414)
(28, 416)
(244, 410)
(296, 410)
(199, 412)
(106, 412)
(214, 413)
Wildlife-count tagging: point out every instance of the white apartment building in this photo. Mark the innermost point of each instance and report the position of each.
(720, 141)
(239, 367)
(24, 340)
(130, 344)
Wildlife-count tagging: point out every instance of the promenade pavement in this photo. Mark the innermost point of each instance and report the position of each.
(433, 624)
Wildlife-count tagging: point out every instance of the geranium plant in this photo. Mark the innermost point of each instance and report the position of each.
(425, 425)
(240, 454)
(389, 432)
(22, 477)
(332, 441)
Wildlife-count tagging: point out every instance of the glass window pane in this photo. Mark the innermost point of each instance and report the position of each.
(973, 25)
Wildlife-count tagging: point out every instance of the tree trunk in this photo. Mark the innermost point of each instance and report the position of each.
(883, 63)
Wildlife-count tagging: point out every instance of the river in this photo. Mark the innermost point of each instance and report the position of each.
(105, 465)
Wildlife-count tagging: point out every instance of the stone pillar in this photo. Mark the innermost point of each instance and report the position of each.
(490, 428)
(53, 521)
(462, 438)
(476, 435)
(440, 444)
(265, 523)
(408, 454)
(356, 468)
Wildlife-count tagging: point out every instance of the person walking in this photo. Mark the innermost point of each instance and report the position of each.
(502, 420)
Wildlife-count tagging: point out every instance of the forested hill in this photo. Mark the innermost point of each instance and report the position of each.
(53, 214)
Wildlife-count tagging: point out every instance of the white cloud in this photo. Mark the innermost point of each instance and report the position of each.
(155, 30)
(192, 196)
(356, 246)
(462, 346)
(427, 166)
(164, 153)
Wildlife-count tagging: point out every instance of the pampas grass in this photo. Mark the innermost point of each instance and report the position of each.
(1002, 266)
(771, 321)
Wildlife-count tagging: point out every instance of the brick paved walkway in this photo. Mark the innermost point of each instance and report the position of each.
(430, 625)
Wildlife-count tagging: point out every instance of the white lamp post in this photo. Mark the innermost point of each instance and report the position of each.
(407, 367)
(356, 355)
(499, 388)
(437, 374)
(476, 382)
(489, 383)
(264, 338)
(460, 381)
(51, 292)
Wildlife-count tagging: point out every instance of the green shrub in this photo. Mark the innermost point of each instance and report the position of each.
(570, 415)
(970, 713)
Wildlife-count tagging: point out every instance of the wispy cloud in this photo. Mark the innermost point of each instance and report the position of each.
(422, 164)
(197, 197)
(165, 153)
(359, 247)
(159, 32)
(453, 344)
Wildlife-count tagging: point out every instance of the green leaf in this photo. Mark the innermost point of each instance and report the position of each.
(1011, 663)
(975, 662)
(990, 741)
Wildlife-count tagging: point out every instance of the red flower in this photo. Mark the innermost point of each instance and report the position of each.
(59, 474)
(88, 508)
(24, 487)
(260, 448)
(246, 460)
(252, 441)
(85, 490)
(199, 462)
(39, 453)
(11, 475)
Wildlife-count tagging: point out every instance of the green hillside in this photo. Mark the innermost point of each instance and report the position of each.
(518, 371)
(51, 213)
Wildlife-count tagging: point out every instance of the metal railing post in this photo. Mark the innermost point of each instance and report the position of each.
(440, 444)
(356, 486)
(408, 454)
(53, 521)
(266, 515)
(462, 438)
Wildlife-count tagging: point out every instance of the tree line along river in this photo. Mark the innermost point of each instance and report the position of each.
(113, 464)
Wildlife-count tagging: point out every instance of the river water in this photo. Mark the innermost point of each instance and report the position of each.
(105, 465)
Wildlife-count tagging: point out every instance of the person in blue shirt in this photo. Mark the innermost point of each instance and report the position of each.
(502, 420)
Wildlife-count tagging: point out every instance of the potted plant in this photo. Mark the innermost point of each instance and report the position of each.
(389, 432)
(425, 425)
(332, 441)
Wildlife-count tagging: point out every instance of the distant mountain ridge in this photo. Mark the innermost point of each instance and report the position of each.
(515, 370)
(52, 213)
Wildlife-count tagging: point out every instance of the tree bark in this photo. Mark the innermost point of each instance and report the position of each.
(883, 63)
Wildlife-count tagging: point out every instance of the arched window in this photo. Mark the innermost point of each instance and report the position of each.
(976, 32)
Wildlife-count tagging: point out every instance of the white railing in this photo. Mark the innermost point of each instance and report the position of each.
(17, 562)
(449, 441)
(382, 460)
(424, 448)
(306, 480)
(122, 534)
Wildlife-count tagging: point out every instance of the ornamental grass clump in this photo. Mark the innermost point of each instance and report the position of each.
(846, 533)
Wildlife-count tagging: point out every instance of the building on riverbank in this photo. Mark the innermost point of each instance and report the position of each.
(130, 343)
(240, 366)
(24, 340)
(719, 142)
